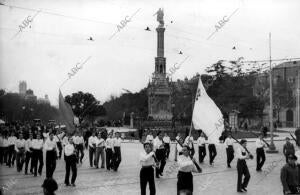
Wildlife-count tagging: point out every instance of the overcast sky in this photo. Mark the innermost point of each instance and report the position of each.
(45, 53)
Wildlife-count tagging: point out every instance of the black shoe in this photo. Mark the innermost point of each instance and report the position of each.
(228, 166)
(244, 189)
(73, 184)
(102, 167)
(67, 184)
(240, 191)
(161, 174)
(35, 175)
(97, 167)
(258, 170)
(157, 176)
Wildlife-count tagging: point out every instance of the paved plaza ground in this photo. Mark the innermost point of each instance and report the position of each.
(216, 180)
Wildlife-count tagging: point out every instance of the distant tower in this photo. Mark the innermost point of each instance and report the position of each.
(159, 90)
(22, 87)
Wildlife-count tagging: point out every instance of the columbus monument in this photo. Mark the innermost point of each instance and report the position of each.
(159, 88)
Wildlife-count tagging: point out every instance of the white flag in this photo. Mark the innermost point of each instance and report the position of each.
(206, 115)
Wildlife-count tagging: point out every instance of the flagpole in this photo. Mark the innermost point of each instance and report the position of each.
(193, 108)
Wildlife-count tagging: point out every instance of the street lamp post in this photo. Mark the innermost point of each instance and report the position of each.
(272, 148)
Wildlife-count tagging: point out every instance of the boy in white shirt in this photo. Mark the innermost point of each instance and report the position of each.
(92, 148)
(229, 149)
(186, 167)
(201, 147)
(109, 144)
(20, 152)
(37, 147)
(28, 149)
(147, 172)
(167, 142)
(11, 149)
(100, 147)
(117, 148)
(51, 155)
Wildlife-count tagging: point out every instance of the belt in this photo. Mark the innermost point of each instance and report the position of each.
(147, 167)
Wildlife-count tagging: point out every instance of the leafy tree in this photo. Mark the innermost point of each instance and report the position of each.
(85, 105)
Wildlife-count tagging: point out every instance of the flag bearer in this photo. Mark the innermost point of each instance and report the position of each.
(185, 176)
(147, 171)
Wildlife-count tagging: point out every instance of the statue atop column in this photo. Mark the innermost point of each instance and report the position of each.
(160, 17)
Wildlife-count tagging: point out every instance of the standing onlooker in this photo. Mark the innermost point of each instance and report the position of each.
(288, 148)
(290, 176)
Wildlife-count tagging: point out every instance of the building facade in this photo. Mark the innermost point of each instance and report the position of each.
(22, 87)
(286, 94)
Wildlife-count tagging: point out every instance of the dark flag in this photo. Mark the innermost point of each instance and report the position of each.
(66, 113)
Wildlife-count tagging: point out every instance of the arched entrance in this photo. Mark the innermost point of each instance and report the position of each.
(289, 118)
